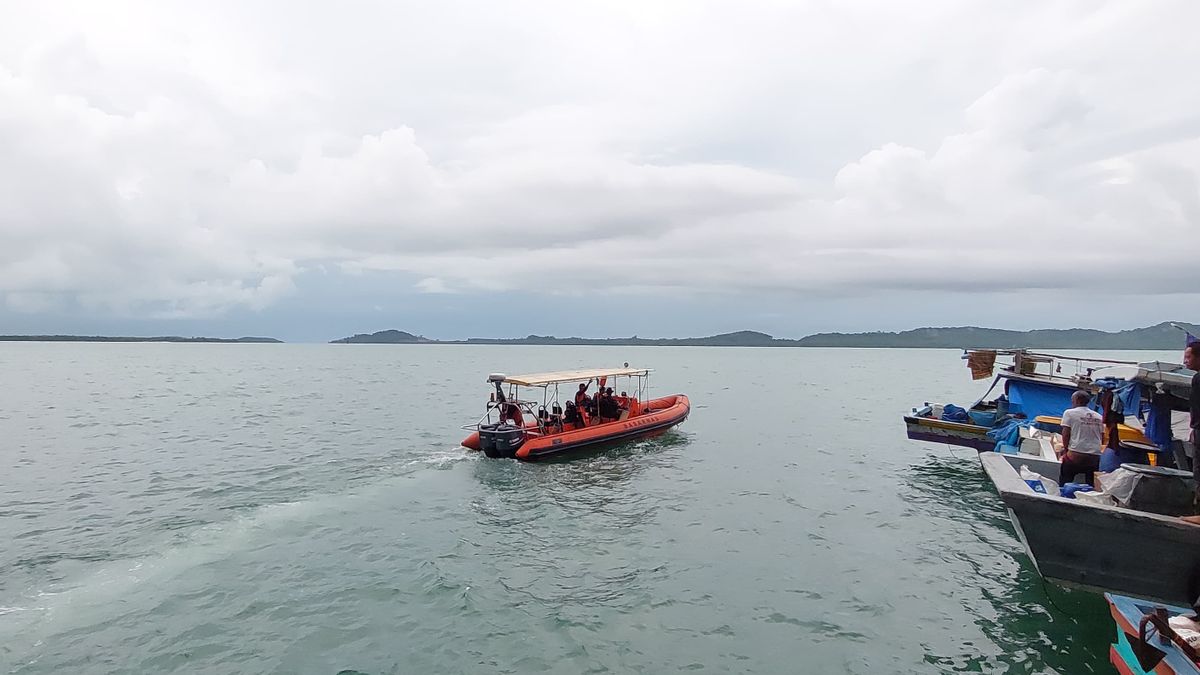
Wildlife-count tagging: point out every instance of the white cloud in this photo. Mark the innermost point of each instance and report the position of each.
(433, 285)
(183, 160)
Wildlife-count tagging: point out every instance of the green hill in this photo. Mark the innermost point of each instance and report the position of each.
(1160, 336)
(112, 338)
(383, 337)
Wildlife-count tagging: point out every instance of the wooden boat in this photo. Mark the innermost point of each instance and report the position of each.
(528, 429)
(1104, 548)
(1146, 644)
(924, 425)
(1031, 385)
(1041, 397)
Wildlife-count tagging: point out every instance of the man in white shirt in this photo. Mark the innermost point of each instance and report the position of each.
(1083, 438)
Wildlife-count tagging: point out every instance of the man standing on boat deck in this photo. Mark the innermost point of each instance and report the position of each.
(582, 400)
(1191, 361)
(1083, 435)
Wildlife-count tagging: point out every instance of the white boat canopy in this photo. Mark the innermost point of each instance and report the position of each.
(1170, 375)
(555, 377)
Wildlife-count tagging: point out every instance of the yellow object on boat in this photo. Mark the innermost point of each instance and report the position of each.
(1130, 434)
(1124, 431)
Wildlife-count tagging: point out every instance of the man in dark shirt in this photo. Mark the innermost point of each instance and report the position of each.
(582, 402)
(1191, 361)
(607, 405)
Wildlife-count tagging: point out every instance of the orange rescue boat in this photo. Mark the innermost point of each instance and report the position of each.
(527, 429)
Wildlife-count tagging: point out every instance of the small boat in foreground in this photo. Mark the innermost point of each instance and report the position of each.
(1147, 552)
(1146, 642)
(529, 429)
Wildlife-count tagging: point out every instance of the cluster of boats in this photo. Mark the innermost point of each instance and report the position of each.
(1129, 539)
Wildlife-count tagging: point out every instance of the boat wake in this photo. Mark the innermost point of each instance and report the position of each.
(88, 598)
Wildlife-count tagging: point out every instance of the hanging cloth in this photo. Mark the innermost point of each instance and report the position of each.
(981, 363)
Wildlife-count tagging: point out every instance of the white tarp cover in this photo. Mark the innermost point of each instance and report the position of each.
(538, 379)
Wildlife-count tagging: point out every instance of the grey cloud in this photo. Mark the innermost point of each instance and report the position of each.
(188, 160)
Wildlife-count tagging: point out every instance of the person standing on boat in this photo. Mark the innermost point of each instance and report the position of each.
(1083, 436)
(1191, 361)
(1113, 455)
(582, 401)
(607, 405)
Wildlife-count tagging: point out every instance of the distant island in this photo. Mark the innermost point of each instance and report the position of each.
(1160, 336)
(384, 337)
(740, 339)
(108, 338)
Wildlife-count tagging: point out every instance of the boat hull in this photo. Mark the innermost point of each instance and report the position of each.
(663, 413)
(1098, 547)
(951, 433)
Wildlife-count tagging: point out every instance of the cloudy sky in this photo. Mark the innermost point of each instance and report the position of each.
(310, 170)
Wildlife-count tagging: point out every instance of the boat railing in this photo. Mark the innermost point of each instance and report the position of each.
(527, 407)
(1041, 366)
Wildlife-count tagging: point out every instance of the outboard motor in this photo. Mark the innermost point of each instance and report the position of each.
(487, 439)
(500, 440)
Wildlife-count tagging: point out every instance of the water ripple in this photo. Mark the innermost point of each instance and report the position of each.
(307, 509)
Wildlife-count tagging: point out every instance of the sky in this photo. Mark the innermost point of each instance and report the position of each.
(312, 170)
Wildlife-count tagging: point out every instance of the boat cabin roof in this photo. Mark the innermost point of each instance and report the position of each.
(1172, 376)
(555, 377)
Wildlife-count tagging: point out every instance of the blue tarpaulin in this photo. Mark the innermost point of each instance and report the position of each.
(1034, 398)
(1158, 422)
(953, 413)
(1130, 394)
(1008, 433)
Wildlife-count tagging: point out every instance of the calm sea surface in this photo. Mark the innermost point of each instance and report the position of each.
(306, 509)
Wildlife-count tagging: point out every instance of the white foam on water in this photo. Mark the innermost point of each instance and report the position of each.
(90, 598)
(443, 459)
(11, 610)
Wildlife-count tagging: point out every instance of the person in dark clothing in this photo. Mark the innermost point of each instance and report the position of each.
(608, 405)
(1114, 455)
(1191, 361)
(583, 402)
(572, 415)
